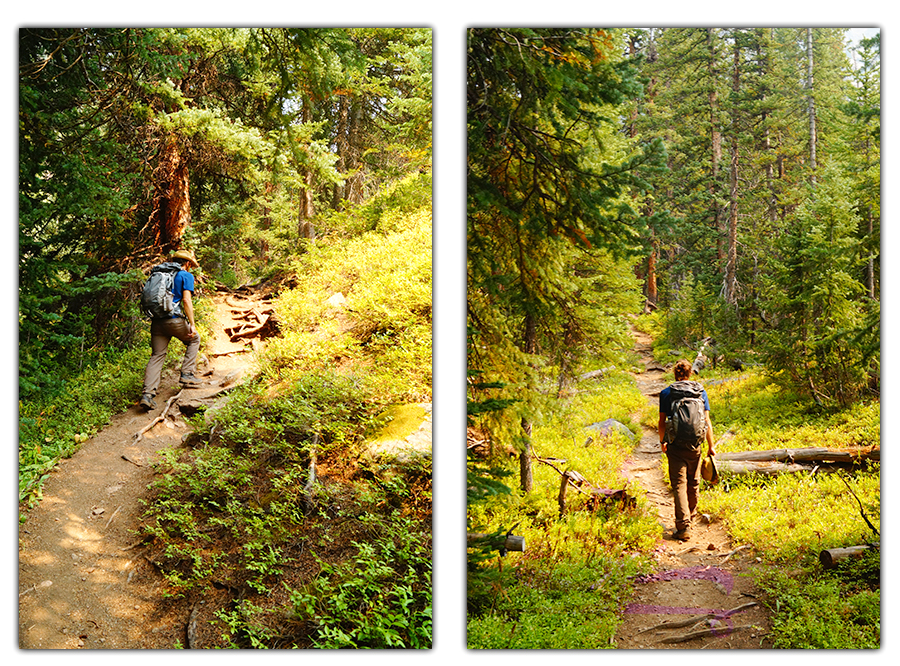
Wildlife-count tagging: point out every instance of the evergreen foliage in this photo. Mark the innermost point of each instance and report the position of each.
(551, 208)
(233, 142)
(733, 176)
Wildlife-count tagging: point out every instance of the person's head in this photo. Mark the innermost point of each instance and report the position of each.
(682, 370)
(185, 258)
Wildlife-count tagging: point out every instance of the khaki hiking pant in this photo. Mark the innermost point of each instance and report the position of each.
(161, 331)
(684, 475)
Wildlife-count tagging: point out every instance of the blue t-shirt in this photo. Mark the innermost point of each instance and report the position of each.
(183, 281)
(665, 401)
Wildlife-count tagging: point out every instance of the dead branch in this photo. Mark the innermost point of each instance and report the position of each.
(694, 619)
(162, 417)
(728, 555)
(111, 517)
(704, 633)
(308, 490)
(861, 511)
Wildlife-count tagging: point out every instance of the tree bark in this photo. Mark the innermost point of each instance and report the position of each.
(810, 454)
(172, 203)
(811, 105)
(716, 144)
(652, 293)
(730, 287)
(526, 479)
(830, 558)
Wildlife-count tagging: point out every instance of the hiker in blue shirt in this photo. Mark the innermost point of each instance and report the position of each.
(179, 325)
(684, 459)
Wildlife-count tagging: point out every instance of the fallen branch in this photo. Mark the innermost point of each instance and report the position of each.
(158, 419)
(704, 633)
(242, 350)
(861, 511)
(728, 555)
(308, 490)
(111, 517)
(693, 619)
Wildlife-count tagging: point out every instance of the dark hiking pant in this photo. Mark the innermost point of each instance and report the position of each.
(684, 475)
(161, 331)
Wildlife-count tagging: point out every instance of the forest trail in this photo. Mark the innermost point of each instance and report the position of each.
(702, 596)
(84, 580)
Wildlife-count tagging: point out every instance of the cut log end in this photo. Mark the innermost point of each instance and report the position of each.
(831, 557)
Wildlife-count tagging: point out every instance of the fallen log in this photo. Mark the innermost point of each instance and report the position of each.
(510, 542)
(829, 558)
(737, 467)
(810, 454)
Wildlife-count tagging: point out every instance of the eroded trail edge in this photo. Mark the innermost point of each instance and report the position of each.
(702, 595)
(84, 579)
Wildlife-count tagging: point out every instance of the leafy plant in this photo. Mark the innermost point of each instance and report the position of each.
(381, 598)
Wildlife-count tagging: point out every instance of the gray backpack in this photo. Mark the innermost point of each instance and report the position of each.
(687, 421)
(157, 297)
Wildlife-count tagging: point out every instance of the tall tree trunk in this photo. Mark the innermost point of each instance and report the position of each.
(305, 205)
(811, 105)
(172, 204)
(341, 145)
(731, 263)
(716, 145)
(526, 479)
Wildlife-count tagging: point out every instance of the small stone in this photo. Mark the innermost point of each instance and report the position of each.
(98, 511)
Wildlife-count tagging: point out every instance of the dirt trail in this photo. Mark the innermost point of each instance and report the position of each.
(698, 581)
(83, 579)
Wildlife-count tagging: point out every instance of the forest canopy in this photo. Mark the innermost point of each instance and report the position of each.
(235, 143)
(725, 180)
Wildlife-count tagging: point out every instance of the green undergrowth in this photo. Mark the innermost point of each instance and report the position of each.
(365, 301)
(341, 559)
(234, 510)
(53, 425)
(790, 518)
(581, 560)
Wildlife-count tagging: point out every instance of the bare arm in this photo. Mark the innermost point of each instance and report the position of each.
(188, 307)
(710, 440)
(661, 429)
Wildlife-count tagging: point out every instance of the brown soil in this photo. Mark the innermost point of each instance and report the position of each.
(84, 578)
(700, 577)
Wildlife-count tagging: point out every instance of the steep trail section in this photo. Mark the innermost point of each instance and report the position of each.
(701, 596)
(84, 581)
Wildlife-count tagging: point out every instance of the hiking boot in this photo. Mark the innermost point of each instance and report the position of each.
(190, 380)
(682, 535)
(147, 402)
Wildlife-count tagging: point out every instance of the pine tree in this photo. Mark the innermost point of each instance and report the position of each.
(542, 186)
